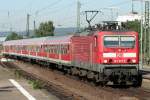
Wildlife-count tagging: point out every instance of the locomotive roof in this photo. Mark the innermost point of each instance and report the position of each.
(40, 41)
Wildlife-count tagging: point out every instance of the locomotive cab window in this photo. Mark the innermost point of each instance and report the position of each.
(127, 41)
(119, 41)
(111, 41)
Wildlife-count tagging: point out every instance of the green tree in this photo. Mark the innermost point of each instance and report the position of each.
(14, 36)
(133, 25)
(45, 29)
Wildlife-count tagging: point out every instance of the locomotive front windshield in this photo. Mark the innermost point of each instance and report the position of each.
(119, 41)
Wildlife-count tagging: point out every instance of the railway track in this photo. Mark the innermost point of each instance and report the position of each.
(69, 87)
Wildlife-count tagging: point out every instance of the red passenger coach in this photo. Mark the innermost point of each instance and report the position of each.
(102, 56)
(45, 48)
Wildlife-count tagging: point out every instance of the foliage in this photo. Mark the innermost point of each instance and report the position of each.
(14, 36)
(133, 25)
(36, 84)
(18, 73)
(45, 29)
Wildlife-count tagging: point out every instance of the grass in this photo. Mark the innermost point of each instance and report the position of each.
(36, 84)
(18, 73)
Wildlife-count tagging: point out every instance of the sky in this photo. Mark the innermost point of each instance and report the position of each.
(13, 13)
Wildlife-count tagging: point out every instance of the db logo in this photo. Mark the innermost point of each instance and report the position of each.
(119, 54)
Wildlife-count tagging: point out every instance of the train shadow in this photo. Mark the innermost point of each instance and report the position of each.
(119, 86)
(145, 72)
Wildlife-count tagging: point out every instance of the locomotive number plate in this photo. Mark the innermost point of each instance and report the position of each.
(119, 55)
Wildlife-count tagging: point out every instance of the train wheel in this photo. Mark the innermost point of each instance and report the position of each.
(69, 71)
(103, 83)
(97, 83)
(140, 78)
(138, 83)
(123, 83)
(115, 82)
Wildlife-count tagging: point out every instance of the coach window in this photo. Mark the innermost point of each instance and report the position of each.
(65, 49)
(55, 49)
(39, 48)
(52, 49)
(48, 47)
(32, 48)
(29, 48)
(15, 48)
(49, 50)
(44, 48)
(18, 48)
(68, 48)
(59, 49)
(36, 48)
(62, 49)
(24, 48)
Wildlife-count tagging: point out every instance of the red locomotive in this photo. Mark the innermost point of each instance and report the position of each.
(101, 56)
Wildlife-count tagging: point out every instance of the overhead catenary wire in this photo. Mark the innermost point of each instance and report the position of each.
(56, 9)
(120, 3)
(48, 6)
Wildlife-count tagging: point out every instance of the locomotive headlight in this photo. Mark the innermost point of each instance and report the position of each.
(110, 60)
(129, 61)
(105, 61)
(134, 61)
